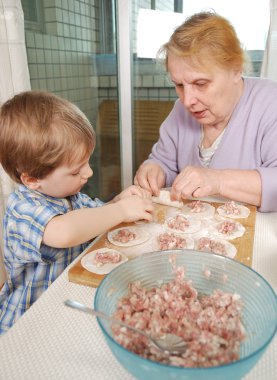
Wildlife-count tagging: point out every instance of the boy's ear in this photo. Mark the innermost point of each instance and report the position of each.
(30, 182)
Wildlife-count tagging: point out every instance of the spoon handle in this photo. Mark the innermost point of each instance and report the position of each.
(86, 309)
(157, 343)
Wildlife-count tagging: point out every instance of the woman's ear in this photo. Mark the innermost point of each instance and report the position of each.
(237, 76)
(30, 182)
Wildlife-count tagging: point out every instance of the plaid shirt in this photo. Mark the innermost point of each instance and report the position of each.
(32, 266)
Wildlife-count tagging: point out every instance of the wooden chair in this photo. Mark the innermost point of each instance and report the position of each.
(148, 116)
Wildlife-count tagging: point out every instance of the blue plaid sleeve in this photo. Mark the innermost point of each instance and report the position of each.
(83, 200)
(25, 224)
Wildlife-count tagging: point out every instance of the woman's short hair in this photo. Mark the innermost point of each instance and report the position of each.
(207, 39)
(40, 131)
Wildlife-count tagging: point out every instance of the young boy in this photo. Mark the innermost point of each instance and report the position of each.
(45, 146)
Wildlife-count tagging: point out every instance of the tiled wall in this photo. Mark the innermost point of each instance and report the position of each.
(62, 57)
(60, 52)
(59, 55)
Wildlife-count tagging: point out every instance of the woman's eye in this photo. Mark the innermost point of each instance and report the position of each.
(75, 173)
(201, 84)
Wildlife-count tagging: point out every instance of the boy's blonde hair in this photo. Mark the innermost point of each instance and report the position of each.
(40, 131)
(208, 40)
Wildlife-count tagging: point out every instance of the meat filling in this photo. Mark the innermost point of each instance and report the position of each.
(231, 208)
(179, 223)
(196, 206)
(171, 241)
(210, 325)
(124, 235)
(107, 257)
(209, 245)
(226, 227)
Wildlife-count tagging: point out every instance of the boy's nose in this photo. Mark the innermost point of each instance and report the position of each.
(88, 173)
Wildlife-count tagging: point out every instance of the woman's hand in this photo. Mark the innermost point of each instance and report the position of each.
(150, 176)
(239, 185)
(196, 182)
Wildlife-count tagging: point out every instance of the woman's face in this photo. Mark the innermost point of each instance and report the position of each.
(210, 96)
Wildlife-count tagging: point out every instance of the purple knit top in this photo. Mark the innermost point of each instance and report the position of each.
(249, 142)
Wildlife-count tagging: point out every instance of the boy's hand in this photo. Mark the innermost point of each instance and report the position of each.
(136, 208)
(133, 190)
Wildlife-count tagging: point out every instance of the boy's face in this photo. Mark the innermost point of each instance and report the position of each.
(66, 180)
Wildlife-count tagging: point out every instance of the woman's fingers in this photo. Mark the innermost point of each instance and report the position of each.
(195, 182)
(151, 177)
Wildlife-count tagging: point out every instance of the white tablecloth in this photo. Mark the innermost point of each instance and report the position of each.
(51, 341)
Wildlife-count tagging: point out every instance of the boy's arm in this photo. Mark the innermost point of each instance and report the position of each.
(79, 226)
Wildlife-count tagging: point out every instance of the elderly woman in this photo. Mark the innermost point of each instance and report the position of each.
(220, 137)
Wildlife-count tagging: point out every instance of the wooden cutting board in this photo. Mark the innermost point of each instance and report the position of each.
(244, 246)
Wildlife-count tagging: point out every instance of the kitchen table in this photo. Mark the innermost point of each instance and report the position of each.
(51, 341)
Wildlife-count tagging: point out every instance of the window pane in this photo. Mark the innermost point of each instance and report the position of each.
(66, 57)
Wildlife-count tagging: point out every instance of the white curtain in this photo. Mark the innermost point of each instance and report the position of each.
(269, 66)
(14, 78)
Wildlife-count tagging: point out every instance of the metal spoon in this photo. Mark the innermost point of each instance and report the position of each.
(168, 343)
